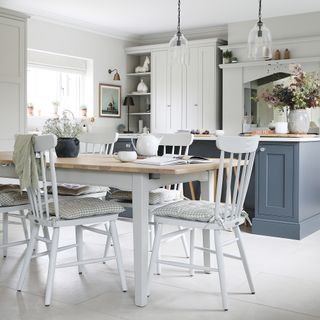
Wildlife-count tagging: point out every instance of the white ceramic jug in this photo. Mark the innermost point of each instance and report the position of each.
(147, 145)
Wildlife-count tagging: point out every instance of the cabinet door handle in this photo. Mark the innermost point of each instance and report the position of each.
(262, 149)
(196, 105)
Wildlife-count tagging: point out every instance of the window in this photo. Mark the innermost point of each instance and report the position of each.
(51, 91)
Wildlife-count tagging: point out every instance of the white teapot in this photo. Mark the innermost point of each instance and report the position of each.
(147, 145)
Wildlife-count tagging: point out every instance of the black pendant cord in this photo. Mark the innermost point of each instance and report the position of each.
(178, 28)
(260, 23)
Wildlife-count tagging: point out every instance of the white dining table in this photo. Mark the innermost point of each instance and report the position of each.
(105, 170)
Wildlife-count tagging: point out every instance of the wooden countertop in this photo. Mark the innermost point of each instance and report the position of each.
(94, 162)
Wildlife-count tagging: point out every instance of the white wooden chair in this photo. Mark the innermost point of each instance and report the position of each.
(91, 143)
(176, 144)
(15, 210)
(217, 216)
(55, 215)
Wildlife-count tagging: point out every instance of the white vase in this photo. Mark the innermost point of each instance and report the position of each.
(298, 121)
(142, 87)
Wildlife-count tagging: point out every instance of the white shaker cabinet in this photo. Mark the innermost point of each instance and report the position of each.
(12, 76)
(167, 94)
(187, 97)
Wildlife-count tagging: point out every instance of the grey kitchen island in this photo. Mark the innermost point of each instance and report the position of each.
(287, 187)
(283, 199)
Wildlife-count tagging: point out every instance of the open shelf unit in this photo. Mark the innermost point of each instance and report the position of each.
(142, 101)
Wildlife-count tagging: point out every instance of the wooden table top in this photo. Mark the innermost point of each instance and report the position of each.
(97, 162)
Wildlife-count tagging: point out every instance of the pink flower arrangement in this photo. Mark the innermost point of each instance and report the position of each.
(303, 91)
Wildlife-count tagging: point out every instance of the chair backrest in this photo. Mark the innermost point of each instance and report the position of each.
(43, 147)
(102, 143)
(241, 157)
(176, 144)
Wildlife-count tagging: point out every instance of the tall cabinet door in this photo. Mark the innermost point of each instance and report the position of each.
(176, 94)
(159, 84)
(12, 80)
(201, 107)
(208, 93)
(193, 104)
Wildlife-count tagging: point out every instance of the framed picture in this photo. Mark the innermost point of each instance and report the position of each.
(109, 100)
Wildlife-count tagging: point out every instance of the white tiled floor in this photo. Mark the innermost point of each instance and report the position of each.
(285, 272)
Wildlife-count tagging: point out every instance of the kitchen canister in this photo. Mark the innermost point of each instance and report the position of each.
(140, 126)
(281, 127)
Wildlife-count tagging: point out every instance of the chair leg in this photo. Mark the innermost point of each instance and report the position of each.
(244, 258)
(117, 250)
(151, 232)
(46, 234)
(5, 225)
(24, 225)
(52, 266)
(154, 255)
(108, 242)
(184, 243)
(158, 251)
(28, 255)
(221, 269)
(79, 242)
(192, 234)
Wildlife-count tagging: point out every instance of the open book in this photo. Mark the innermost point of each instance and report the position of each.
(171, 160)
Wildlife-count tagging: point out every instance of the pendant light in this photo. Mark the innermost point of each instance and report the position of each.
(178, 45)
(259, 40)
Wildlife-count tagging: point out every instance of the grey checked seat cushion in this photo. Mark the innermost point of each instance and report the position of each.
(196, 210)
(85, 207)
(78, 190)
(156, 196)
(12, 198)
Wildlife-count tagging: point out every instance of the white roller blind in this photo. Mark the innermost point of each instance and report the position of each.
(56, 62)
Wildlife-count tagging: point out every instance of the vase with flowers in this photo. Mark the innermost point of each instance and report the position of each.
(67, 131)
(302, 92)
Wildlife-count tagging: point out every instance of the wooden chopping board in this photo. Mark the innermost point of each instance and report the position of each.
(281, 135)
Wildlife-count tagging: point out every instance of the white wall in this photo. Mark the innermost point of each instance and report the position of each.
(302, 25)
(105, 53)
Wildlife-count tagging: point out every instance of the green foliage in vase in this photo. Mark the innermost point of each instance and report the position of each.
(302, 92)
(63, 127)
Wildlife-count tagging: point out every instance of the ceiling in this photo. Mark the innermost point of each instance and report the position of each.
(125, 18)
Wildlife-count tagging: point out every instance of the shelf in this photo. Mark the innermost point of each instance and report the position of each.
(269, 63)
(138, 74)
(140, 113)
(140, 94)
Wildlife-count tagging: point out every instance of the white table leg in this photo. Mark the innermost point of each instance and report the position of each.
(140, 201)
(207, 193)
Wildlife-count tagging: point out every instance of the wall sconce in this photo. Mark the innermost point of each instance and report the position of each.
(116, 76)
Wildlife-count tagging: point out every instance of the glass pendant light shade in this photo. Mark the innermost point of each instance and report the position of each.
(259, 43)
(178, 46)
(179, 50)
(259, 40)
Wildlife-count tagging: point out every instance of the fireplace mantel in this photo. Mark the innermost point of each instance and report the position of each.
(236, 75)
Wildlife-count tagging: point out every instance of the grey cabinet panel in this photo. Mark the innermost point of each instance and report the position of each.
(275, 181)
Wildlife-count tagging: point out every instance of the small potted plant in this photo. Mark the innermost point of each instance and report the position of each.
(67, 131)
(83, 111)
(227, 56)
(30, 109)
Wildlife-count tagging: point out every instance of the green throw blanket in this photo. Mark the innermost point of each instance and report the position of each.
(25, 161)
